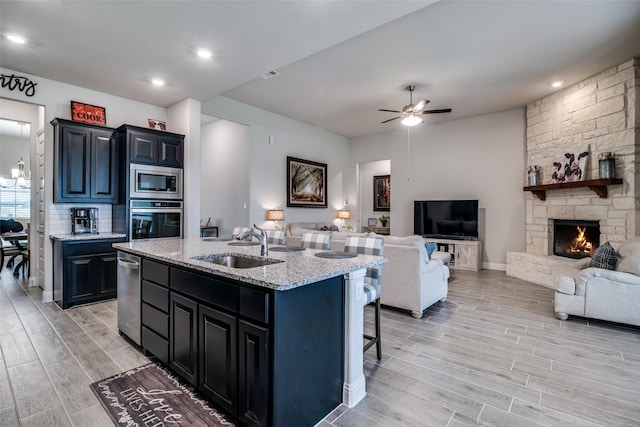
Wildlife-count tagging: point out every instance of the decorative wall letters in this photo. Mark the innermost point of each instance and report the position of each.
(20, 83)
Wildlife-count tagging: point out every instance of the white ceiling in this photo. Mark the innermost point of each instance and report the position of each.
(339, 61)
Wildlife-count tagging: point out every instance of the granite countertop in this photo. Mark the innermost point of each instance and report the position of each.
(298, 269)
(88, 236)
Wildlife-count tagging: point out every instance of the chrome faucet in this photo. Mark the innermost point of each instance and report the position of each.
(262, 237)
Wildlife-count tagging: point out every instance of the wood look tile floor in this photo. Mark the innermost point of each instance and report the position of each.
(492, 354)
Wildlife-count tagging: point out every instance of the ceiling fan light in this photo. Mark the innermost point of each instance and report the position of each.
(411, 120)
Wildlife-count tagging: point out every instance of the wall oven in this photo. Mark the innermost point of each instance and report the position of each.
(155, 219)
(154, 182)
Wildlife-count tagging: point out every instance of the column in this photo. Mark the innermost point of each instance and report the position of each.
(353, 388)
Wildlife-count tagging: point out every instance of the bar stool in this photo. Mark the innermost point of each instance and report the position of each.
(316, 241)
(370, 246)
(276, 237)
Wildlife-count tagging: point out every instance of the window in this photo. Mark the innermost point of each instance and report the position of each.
(15, 201)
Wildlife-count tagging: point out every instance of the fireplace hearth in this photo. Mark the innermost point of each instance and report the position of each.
(575, 238)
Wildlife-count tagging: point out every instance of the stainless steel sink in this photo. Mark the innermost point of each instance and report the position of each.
(237, 260)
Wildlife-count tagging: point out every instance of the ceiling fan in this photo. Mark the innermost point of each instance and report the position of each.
(410, 112)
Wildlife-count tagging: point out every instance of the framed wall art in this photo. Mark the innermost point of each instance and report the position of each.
(570, 165)
(382, 193)
(157, 124)
(306, 183)
(87, 113)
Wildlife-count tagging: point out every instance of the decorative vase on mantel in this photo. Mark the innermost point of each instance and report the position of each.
(606, 165)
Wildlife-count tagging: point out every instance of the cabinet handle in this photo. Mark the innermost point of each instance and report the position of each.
(128, 264)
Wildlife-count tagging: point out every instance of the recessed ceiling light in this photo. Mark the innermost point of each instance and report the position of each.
(16, 38)
(557, 83)
(157, 82)
(204, 53)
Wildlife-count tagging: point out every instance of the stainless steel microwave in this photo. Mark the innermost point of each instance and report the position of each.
(155, 182)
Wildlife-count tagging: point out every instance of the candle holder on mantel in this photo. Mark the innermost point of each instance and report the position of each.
(533, 175)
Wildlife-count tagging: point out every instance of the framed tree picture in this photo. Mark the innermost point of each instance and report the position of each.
(382, 193)
(306, 183)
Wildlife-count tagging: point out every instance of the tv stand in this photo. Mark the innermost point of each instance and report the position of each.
(465, 254)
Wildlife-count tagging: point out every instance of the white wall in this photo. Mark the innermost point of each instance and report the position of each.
(224, 184)
(185, 119)
(267, 162)
(475, 158)
(12, 149)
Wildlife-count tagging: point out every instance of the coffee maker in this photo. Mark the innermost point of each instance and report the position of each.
(84, 220)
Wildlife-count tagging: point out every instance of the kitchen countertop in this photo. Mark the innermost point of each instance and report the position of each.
(88, 236)
(298, 269)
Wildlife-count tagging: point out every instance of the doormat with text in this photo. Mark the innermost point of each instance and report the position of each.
(149, 395)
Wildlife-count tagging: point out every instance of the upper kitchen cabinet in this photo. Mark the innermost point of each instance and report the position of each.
(152, 147)
(85, 162)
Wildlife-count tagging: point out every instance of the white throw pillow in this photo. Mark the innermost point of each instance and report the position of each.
(413, 240)
(300, 231)
(629, 256)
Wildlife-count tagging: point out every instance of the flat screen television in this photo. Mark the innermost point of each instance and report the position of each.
(454, 219)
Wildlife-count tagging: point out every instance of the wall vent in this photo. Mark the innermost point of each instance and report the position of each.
(270, 74)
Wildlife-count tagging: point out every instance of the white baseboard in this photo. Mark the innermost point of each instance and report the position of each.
(494, 266)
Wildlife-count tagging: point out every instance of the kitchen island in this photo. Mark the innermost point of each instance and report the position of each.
(273, 345)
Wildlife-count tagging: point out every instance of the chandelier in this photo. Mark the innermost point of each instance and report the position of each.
(21, 179)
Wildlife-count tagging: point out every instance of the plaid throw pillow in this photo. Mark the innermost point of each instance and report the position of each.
(604, 257)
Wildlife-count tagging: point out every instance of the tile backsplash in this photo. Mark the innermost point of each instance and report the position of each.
(60, 217)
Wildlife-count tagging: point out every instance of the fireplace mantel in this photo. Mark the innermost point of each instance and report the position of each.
(599, 186)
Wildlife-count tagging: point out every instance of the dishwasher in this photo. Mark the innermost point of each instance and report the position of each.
(129, 289)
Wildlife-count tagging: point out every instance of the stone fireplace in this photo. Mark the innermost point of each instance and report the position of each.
(602, 112)
(574, 238)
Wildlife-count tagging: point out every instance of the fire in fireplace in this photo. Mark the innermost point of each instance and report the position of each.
(575, 238)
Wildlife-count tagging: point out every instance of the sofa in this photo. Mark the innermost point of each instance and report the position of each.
(600, 293)
(411, 280)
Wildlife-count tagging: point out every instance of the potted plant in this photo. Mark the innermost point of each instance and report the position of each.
(384, 220)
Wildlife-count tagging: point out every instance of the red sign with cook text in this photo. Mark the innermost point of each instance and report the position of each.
(88, 113)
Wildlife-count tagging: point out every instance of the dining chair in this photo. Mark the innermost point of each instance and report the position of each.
(8, 249)
(316, 241)
(24, 263)
(276, 237)
(372, 284)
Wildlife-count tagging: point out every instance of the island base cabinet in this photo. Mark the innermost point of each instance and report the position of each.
(307, 352)
(217, 342)
(183, 337)
(266, 358)
(254, 374)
